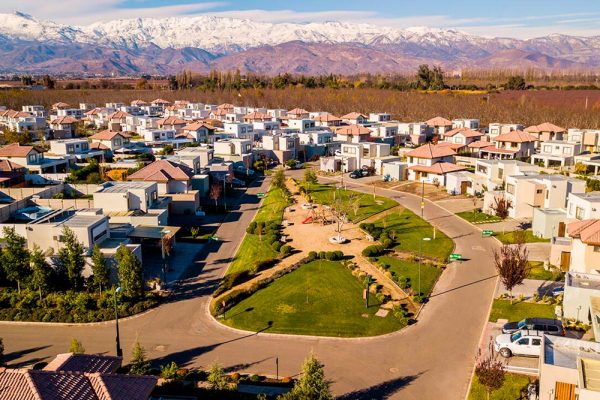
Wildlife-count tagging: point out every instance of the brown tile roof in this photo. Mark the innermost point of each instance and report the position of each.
(588, 231)
(466, 132)
(194, 126)
(98, 146)
(219, 112)
(94, 111)
(60, 104)
(494, 150)
(17, 150)
(9, 166)
(108, 135)
(515, 137)
(327, 118)
(171, 121)
(119, 115)
(431, 151)
(438, 168)
(62, 385)
(14, 114)
(15, 384)
(438, 121)
(163, 171)
(297, 111)
(84, 363)
(225, 106)
(160, 102)
(64, 120)
(352, 130)
(545, 127)
(353, 115)
(138, 103)
(257, 116)
(113, 386)
(480, 144)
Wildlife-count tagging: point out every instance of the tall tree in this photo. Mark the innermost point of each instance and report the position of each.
(130, 273)
(15, 257)
(279, 179)
(71, 256)
(310, 176)
(312, 385)
(215, 192)
(516, 82)
(99, 269)
(489, 370)
(512, 264)
(40, 271)
(139, 364)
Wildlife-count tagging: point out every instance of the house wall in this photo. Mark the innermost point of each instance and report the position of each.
(546, 225)
(550, 374)
(588, 209)
(576, 302)
(112, 202)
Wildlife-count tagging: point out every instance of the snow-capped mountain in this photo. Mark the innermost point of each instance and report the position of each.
(204, 42)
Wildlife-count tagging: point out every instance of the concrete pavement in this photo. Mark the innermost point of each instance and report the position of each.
(432, 359)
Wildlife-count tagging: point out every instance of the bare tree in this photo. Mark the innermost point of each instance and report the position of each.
(501, 207)
(489, 370)
(215, 192)
(512, 265)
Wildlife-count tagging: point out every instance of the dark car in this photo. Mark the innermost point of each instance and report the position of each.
(357, 173)
(546, 325)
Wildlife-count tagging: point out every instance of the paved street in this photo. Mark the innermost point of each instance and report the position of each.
(430, 360)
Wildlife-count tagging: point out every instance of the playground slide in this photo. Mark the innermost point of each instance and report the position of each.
(307, 220)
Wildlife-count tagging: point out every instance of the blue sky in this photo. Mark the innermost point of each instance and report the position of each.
(510, 18)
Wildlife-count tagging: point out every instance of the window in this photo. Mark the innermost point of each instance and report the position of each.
(422, 161)
(536, 342)
(70, 148)
(539, 191)
(458, 140)
(500, 173)
(32, 158)
(510, 188)
(567, 150)
(118, 142)
(547, 149)
(523, 342)
(579, 213)
(169, 135)
(596, 249)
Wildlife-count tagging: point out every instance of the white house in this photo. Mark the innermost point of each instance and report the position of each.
(379, 117)
(355, 118)
(430, 163)
(556, 153)
(514, 144)
(583, 205)
(496, 129)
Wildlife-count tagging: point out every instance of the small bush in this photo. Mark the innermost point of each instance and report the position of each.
(286, 379)
(312, 255)
(235, 376)
(373, 251)
(322, 255)
(286, 250)
(255, 378)
(264, 264)
(277, 246)
(251, 228)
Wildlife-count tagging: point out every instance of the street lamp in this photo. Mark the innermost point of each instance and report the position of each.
(163, 233)
(425, 239)
(227, 176)
(119, 351)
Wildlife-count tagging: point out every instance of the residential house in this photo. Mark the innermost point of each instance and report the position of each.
(170, 177)
(379, 117)
(365, 155)
(198, 131)
(430, 163)
(74, 150)
(545, 132)
(415, 132)
(32, 158)
(514, 144)
(386, 131)
(556, 153)
(239, 130)
(11, 174)
(297, 113)
(472, 124)
(277, 113)
(76, 113)
(132, 202)
(19, 121)
(495, 172)
(171, 123)
(327, 120)
(257, 117)
(35, 110)
(355, 118)
(112, 140)
(461, 136)
(439, 125)
(496, 129)
(301, 124)
(352, 134)
(117, 120)
(588, 138)
(569, 369)
(203, 156)
(583, 206)
(280, 148)
(64, 127)
(235, 151)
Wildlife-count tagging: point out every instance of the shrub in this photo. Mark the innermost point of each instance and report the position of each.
(277, 246)
(232, 280)
(372, 251)
(169, 371)
(255, 378)
(264, 264)
(286, 250)
(286, 379)
(339, 254)
(403, 282)
(235, 376)
(312, 255)
(380, 297)
(322, 255)
(251, 228)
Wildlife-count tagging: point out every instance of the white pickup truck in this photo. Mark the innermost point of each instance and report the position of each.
(521, 343)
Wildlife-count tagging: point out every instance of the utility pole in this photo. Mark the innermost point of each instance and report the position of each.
(422, 199)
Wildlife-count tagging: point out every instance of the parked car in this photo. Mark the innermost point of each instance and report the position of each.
(238, 182)
(557, 291)
(359, 173)
(243, 170)
(546, 325)
(521, 343)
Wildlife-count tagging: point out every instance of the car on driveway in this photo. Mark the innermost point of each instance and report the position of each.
(359, 173)
(521, 343)
(546, 325)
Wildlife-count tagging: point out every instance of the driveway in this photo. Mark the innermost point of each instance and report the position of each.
(529, 287)
(432, 359)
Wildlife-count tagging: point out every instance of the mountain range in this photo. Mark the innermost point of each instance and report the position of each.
(202, 43)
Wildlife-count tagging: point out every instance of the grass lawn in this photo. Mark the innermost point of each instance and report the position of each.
(323, 194)
(411, 230)
(509, 237)
(538, 272)
(502, 309)
(478, 217)
(511, 389)
(320, 298)
(252, 249)
(410, 270)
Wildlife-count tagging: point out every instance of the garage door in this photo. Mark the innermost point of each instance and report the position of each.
(564, 391)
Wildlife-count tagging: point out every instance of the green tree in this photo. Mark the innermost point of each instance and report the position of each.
(130, 273)
(76, 347)
(310, 176)
(139, 364)
(48, 82)
(516, 82)
(279, 179)
(15, 257)
(216, 377)
(169, 371)
(312, 385)
(99, 269)
(430, 79)
(40, 271)
(71, 256)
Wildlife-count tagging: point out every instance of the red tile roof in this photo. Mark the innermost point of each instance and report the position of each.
(438, 168)
(515, 137)
(60, 104)
(354, 115)
(431, 151)
(297, 111)
(9, 166)
(84, 363)
(588, 231)
(163, 171)
(194, 126)
(64, 120)
(160, 102)
(466, 132)
(480, 144)
(494, 150)
(108, 135)
(545, 127)
(257, 116)
(17, 150)
(327, 118)
(225, 106)
(172, 120)
(353, 130)
(138, 102)
(438, 121)
(119, 115)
